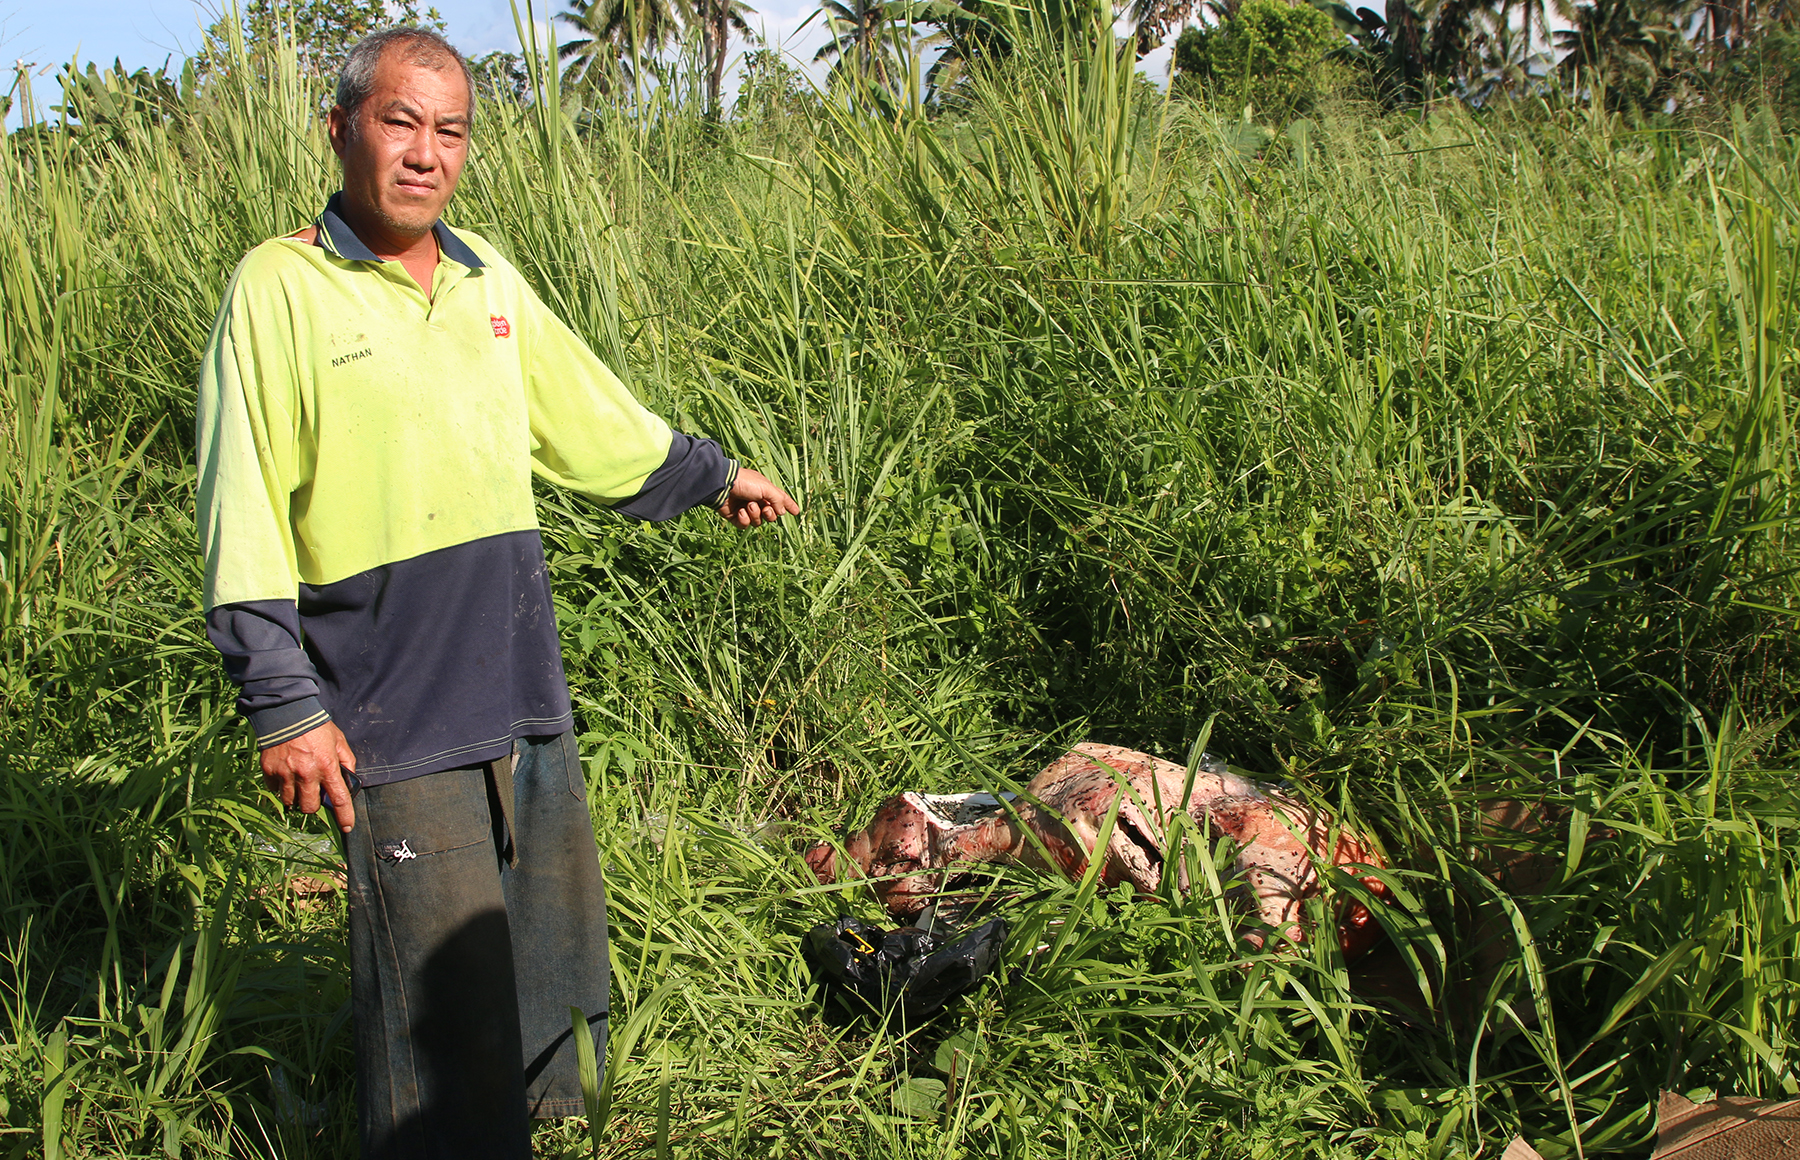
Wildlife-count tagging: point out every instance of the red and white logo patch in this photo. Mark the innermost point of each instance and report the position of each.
(502, 328)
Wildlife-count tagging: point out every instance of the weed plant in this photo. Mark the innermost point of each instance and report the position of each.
(1412, 461)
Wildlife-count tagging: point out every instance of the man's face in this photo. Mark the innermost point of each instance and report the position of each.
(408, 146)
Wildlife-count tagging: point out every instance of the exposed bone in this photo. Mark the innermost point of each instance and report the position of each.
(915, 840)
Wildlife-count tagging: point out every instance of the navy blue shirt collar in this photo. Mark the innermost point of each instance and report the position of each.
(336, 237)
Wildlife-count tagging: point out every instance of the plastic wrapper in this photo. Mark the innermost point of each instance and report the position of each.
(909, 971)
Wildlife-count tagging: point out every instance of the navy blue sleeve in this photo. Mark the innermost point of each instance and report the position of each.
(696, 473)
(260, 641)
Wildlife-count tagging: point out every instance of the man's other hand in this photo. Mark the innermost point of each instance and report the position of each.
(300, 771)
(754, 500)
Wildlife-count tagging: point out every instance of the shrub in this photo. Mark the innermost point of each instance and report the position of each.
(1271, 55)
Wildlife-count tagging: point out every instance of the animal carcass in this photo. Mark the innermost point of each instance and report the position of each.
(915, 839)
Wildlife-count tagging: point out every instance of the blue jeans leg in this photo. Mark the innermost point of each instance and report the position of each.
(473, 928)
(556, 902)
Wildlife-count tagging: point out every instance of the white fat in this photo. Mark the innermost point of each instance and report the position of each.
(1244, 787)
(959, 809)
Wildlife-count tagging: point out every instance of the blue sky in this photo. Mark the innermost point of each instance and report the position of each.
(144, 32)
(49, 33)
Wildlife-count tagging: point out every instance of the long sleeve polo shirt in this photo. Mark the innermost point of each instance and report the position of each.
(365, 508)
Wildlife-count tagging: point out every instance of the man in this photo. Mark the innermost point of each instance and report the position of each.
(378, 392)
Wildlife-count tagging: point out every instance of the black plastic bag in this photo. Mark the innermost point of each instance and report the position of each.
(915, 972)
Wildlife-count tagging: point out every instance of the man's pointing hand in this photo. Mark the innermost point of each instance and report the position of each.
(754, 499)
(300, 771)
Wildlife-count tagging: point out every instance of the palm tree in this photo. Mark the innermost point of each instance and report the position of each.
(1630, 54)
(866, 41)
(1499, 30)
(1499, 68)
(1536, 14)
(718, 19)
(612, 34)
(966, 30)
(1452, 50)
(1153, 20)
(1391, 47)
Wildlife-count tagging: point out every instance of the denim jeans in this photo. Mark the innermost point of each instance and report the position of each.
(477, 918)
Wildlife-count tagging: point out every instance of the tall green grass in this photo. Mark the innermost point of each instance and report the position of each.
(1416, 462)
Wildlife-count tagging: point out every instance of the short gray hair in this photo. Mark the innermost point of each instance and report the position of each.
(419, 46)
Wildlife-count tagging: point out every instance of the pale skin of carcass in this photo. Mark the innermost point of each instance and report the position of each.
(1279, 841)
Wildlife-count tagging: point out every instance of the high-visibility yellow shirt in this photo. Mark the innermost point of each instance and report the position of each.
(366, 455)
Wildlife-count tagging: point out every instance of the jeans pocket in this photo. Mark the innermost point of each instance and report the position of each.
(429, 815)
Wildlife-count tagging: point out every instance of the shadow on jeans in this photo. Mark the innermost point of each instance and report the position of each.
(464, 1024)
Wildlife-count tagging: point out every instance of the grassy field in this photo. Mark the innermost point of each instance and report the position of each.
(1414, 460)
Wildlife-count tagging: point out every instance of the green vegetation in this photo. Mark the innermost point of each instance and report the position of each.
(1414, 460)
(1271, 55)
(1647, 57)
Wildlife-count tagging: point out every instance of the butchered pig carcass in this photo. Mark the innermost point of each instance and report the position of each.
(916, 840)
